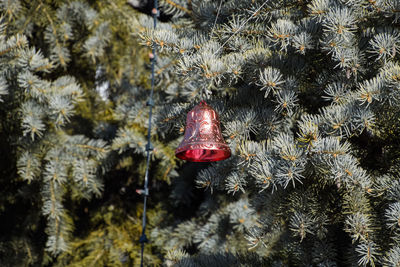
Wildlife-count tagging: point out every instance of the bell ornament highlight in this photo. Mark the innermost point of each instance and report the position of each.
(203, 141)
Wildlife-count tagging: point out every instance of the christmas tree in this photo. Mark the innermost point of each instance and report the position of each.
(308, 96)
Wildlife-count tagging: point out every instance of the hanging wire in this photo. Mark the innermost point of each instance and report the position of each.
(203, 93)
(204, 90)
(149, 147)
(216, 18)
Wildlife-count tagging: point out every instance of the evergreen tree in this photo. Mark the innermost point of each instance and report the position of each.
(72, 152)
(308, 96)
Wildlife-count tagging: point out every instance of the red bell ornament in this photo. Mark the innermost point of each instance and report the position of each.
(203, 141)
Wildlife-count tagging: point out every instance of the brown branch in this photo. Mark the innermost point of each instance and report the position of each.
(172, 3)
(60, 57)
(92, 147)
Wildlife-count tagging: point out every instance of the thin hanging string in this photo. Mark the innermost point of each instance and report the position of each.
(230, 37)
(149, 147)
(241, 26)
(216, 18)
(203, 91)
